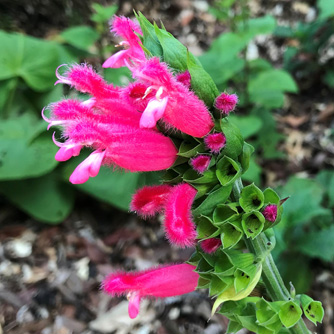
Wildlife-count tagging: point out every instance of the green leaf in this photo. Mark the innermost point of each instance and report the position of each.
(248, 125)
(201, 83)
(20, 57)
(233, 327)
(290, 314)
(326, 179)
(252, 224)
(216, 197)
(24, 153)
(253, 173)
(82, 37)
(103, 13)
(251, 198)
(326, 9)
(44, 198)
(267, 88)
(318, 244)
(313, 310)
(234, 139)
(227, 171)
(257, 26)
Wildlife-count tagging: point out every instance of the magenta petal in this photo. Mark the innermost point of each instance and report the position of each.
(116, 60)
(134, 302)
(153, 112)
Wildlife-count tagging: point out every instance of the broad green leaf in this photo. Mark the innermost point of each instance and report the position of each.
(117, 76)
(82, 37)
(326, 9)
(103, 13)
(253, 173)
(45, 198)
(257, 26)
(326, 179)
(267, 88)
(318, 244)
(248, 125)
(24, 151)
(29, 58)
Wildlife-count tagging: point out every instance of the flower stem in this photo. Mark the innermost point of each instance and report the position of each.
(271, 277)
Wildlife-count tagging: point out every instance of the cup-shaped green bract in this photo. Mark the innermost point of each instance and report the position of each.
(252, 223)
(205, 227)
(190, 149)
(270, 196)
(313, 310)
(223, 213)
(243, 277)
(290, 313)
(192, 177)
(227, 171)
(251, 198)
(266, 315)
(231, 233)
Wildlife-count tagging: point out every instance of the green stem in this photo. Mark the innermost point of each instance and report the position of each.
(270, 274)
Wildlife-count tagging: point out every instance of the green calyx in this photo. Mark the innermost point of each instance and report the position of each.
(251, 198)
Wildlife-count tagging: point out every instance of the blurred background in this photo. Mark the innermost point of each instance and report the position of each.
(58, 241)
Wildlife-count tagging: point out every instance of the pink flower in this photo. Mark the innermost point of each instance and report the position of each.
(215, 142)
(200, 163)
(67, 150)
(270, 212)
(90, 167)
(133, 52)
(179, 226)
(211, 245)
(184, 78)
(174, 103)
(150, 200)
(84, 79)
(226, 102)
(161, 282)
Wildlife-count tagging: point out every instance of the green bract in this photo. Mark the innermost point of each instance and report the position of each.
(227, 171)
(252, 223)
(251, 198)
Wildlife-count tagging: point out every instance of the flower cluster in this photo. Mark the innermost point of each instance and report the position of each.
(131, 127)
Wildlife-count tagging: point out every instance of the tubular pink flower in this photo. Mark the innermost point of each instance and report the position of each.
(150, 200)
(200, 163)
(182, 103)
(153, 112)
(270, 212)
(211, 245)
(84, 79)
(90, 167)
(53, 122)
(161, 282)
(215, 142)
(179, 226)
(226, 102)
(133, 53)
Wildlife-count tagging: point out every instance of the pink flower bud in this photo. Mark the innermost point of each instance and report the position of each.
(90, 167)
(215, 142)
(161, 282)
(200, 163)
(150, 200)
(270, 212)
(226, 102)
(184, 78)
(179, 226)
(211, 245)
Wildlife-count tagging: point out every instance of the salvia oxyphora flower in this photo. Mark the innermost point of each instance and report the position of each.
(226, 102)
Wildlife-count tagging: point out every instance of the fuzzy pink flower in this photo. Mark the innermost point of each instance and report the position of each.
(200, 163)
(133, 53)
(179, 226)
(174, 103)
(226, 102)
(270, 212)
(84, 79)
(215, 142)
(161, 282)
(67, 150)
(90, 167)
(150, 200)
(211, 245)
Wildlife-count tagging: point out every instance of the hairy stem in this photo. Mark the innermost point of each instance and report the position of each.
(270, 274)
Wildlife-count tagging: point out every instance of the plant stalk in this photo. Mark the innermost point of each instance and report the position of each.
(271, 277)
